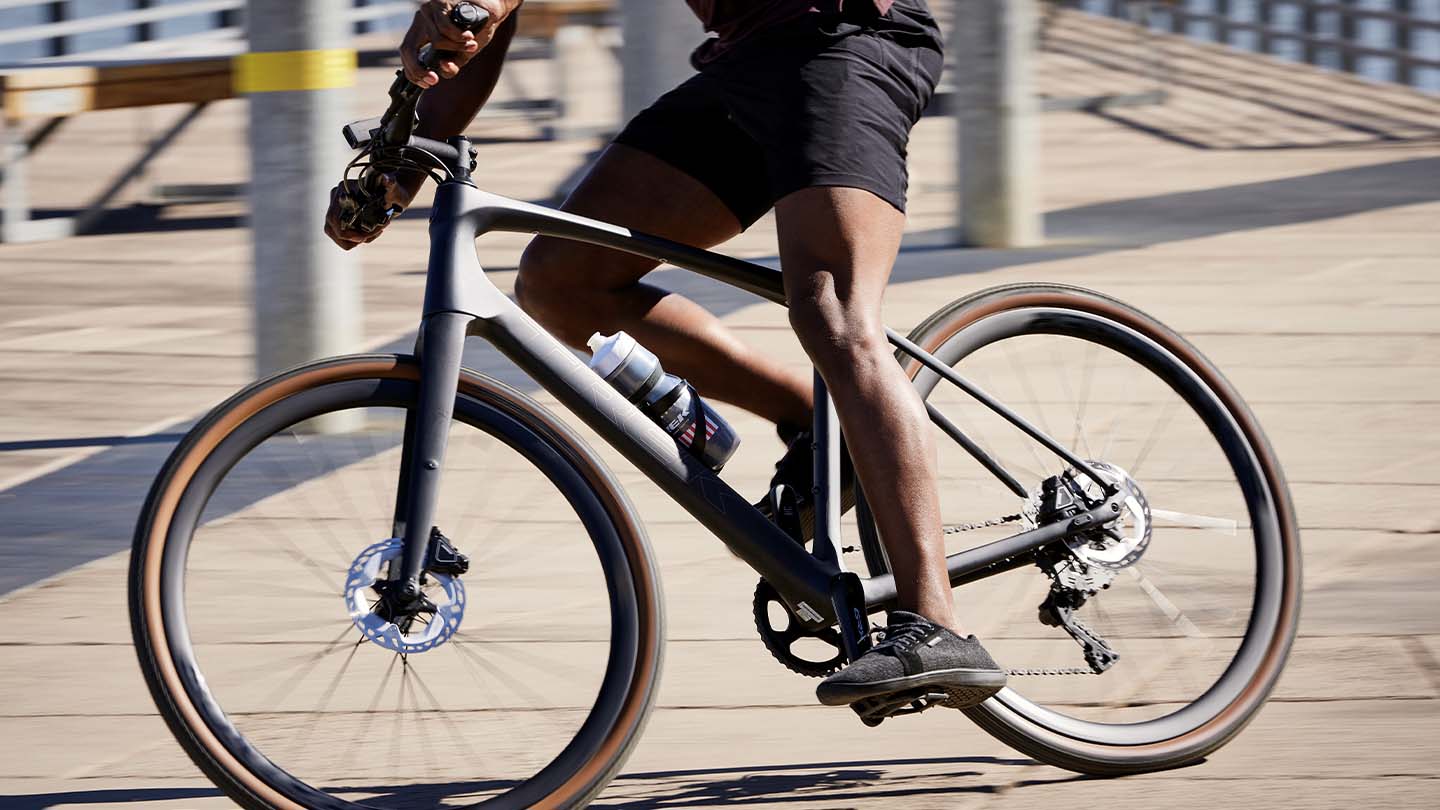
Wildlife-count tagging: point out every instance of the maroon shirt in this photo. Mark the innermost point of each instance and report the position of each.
(733, 20)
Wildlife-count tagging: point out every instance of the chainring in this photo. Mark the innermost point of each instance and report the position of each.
(781, 641)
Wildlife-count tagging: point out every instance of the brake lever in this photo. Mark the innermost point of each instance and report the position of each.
(370, 210)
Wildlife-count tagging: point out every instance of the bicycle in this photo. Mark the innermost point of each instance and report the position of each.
(1169, 673)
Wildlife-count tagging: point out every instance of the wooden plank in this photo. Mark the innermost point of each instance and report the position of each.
(48, 92)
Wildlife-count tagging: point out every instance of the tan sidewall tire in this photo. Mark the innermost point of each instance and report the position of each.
(1066, 752)
(147, 625)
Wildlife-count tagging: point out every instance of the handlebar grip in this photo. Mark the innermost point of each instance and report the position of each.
(469, 17)
(466, 17)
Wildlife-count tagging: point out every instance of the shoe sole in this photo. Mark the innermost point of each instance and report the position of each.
(965, 687)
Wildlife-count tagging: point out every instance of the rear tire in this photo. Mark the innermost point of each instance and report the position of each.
(1112, 749)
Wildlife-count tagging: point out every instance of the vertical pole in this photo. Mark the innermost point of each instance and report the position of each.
(659, 38)
(14, 198)
(227, 19)
(144, 32)
(296, 75)
(1404, 43)
(997, 118)
(55, 12)
(1347, 36)
(1310, 28)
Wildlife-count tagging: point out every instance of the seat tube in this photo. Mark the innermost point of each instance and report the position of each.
(442, 341)
(826, 495)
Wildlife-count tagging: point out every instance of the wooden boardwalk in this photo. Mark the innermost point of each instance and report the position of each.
(1288, 226)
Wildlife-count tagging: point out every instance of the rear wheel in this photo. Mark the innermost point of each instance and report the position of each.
(1199, 590)
(261, 634)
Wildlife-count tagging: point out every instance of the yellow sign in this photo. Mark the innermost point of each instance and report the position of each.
(279, 71)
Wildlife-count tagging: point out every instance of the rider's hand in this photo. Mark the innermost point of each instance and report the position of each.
(432, 26)
(396, 194)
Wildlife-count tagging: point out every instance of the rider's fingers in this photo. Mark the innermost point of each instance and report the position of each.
(419, 34)
(340, 237)
(448, 36)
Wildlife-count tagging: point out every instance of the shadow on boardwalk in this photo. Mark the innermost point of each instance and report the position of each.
(812, 782)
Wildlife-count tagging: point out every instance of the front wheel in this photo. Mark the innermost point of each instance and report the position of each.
(256, 597)
(1196, 588)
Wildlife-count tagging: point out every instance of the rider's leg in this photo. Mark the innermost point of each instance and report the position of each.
(575, 289)
(837, 248)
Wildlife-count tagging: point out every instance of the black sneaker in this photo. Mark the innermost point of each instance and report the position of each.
(917, 654)
(788, 502)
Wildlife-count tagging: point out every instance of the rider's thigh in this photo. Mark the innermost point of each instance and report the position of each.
(633, 188)
(837, 248)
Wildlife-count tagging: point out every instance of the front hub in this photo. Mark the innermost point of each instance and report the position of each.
(408, 626)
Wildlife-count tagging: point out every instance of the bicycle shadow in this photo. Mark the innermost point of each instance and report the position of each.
(813, 782)
(822, 783)
(142, 797)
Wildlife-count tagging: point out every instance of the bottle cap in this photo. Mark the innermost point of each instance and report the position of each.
(609, 352)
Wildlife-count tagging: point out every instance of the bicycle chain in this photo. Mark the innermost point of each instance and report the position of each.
(956, 528)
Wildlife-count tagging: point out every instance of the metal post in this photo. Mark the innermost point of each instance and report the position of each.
(144, 32)
(997, 117)
(1404, 43)
(56, 12)
(307, 290)
(659, 38)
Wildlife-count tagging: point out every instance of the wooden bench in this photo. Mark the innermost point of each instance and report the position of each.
(52, 94)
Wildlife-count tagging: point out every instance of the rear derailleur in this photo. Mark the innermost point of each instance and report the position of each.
(1073, 579)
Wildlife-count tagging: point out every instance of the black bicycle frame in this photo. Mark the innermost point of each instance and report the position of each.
(460, 300)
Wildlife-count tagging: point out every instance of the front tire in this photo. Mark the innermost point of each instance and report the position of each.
(199, 694)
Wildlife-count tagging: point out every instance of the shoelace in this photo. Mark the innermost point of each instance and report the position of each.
(902, 638)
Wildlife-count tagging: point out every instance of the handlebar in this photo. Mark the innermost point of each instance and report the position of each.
(399, 120)
(396, 129)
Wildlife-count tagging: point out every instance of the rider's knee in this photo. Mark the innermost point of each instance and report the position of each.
(833, 330)
(546, 290)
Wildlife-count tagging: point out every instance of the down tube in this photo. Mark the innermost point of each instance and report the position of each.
(767, 549)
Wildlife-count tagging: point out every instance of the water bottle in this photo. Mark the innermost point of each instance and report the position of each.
(673, 403)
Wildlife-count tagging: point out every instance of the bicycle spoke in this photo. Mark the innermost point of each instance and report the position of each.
(1161, 422)
(445, 718)
(1167, 607)
(1223, 525)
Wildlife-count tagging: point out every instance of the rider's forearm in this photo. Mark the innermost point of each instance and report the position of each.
(448, 108)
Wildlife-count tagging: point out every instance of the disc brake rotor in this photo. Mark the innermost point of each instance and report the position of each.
(1128, 535)
(445, 593)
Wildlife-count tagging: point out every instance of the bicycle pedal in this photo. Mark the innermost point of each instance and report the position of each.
(873, 711)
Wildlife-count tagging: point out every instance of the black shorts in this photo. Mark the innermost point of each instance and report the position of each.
(824, 100)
